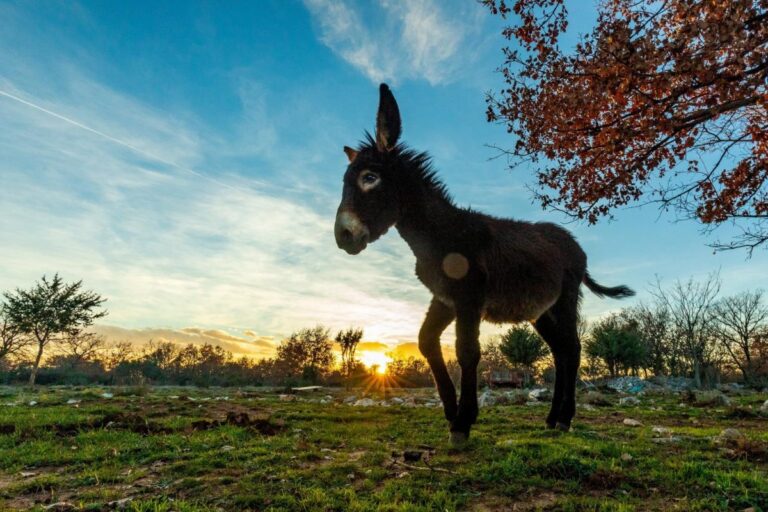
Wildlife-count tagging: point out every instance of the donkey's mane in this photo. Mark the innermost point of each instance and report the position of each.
(419, 163)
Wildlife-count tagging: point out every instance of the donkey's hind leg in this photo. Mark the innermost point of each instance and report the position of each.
(546, 326)
(558, 327)
(439, 316)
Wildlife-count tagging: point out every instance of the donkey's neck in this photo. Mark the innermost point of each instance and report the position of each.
(424, 222)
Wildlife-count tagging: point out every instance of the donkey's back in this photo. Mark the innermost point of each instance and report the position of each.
(528, 267)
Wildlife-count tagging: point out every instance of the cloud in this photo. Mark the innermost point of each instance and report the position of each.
(142, 337)
(397, 39)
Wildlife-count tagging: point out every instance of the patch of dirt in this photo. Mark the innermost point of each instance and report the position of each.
(523, 503)
(264, 425)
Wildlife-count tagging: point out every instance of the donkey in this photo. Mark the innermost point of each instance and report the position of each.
(478, 267)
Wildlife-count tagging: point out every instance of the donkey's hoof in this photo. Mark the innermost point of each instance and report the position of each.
(562, 427)
(458, 439)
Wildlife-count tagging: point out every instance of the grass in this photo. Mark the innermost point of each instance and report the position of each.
(163, 451)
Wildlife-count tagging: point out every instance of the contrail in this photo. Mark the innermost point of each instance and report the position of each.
(118, 141)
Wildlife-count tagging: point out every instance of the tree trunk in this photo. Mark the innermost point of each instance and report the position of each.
(33, 375)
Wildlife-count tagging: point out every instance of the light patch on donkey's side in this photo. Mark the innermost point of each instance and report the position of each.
(455, 265)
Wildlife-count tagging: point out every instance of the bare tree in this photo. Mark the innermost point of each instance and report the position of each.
(348, 341)
(741, 320)
(12, 340)
(690, 306)
(81, 346)
(120, 352)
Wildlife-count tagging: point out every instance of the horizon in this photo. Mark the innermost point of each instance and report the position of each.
(188, 167)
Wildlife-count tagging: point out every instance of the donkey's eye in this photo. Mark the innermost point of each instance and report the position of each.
(368, 180)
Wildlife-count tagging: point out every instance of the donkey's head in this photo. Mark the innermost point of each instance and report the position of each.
(370, 201)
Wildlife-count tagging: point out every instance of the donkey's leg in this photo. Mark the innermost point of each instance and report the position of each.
(572, 351)
(546, 326)
(468, 354)
(439, 316)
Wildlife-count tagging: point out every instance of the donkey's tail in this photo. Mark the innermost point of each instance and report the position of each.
(617, 292)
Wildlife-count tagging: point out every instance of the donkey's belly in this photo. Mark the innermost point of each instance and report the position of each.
(520, 310)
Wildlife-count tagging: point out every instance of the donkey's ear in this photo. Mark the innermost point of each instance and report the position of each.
(351, 153)
(387, 120)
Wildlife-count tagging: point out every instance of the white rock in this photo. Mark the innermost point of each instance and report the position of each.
(72, 401)
(227, 448)
(661, 431)
(486, 399)
(540, 394)
(350, 399)
(730, 434)
(107, 395)
(33, 402)
(629, 400)
(287, 398)
(397, 401)
(364, 402)
(764, 407)
(632, 423)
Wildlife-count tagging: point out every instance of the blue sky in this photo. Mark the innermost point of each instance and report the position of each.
(184, 159)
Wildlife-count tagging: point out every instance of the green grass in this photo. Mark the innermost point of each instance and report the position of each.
(311, 456)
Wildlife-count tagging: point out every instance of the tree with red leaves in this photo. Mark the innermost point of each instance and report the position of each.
(665, 100)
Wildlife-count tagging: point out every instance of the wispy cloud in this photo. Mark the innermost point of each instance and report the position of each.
(397, 39)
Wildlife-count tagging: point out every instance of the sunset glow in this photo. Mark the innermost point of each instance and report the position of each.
(378, 359)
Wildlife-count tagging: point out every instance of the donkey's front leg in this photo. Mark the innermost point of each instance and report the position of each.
(468, 354)
(439, 316)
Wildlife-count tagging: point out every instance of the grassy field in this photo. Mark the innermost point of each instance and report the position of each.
(225, 449)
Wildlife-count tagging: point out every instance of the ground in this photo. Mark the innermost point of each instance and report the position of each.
(184, 449)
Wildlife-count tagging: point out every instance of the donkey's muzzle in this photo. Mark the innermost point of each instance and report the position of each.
(351, 234)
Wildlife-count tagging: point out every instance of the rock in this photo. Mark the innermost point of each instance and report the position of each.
(629, 400)
(729, 435)
(120, 504)
(667, 440)
(626, 457)
(586, 407)
(227, 448)
(287, 398)
(632, 423)
(627, 384)
(596, 398)
(540, 394)
(107, 395)
(364, 402)
(60, 506)
(661, 431)
(713, 398)
(516, 397)
(72, 401)
(397, 401)
(764, 408)
(486, 399)
(328, 398)
(27, 474)
(350, 399)
(32, 403)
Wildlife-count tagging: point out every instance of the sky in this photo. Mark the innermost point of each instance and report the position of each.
(184, 159)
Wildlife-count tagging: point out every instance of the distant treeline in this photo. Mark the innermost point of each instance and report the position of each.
(687, 330)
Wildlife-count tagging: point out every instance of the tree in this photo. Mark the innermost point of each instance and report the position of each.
(690, 306)
(50, 310)
(12, 340)
(667, 99)
(521, 346)
(348, 341)
(740, 321)
(491, 360)
(307, 353)
(653, 326)
(616, 342)
(82, 346)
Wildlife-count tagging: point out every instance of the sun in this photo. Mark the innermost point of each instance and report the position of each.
(375, 359)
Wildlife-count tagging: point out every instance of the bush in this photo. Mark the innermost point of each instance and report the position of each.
(617, 345)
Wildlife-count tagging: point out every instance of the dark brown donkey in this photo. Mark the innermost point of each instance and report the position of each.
(477, 267)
